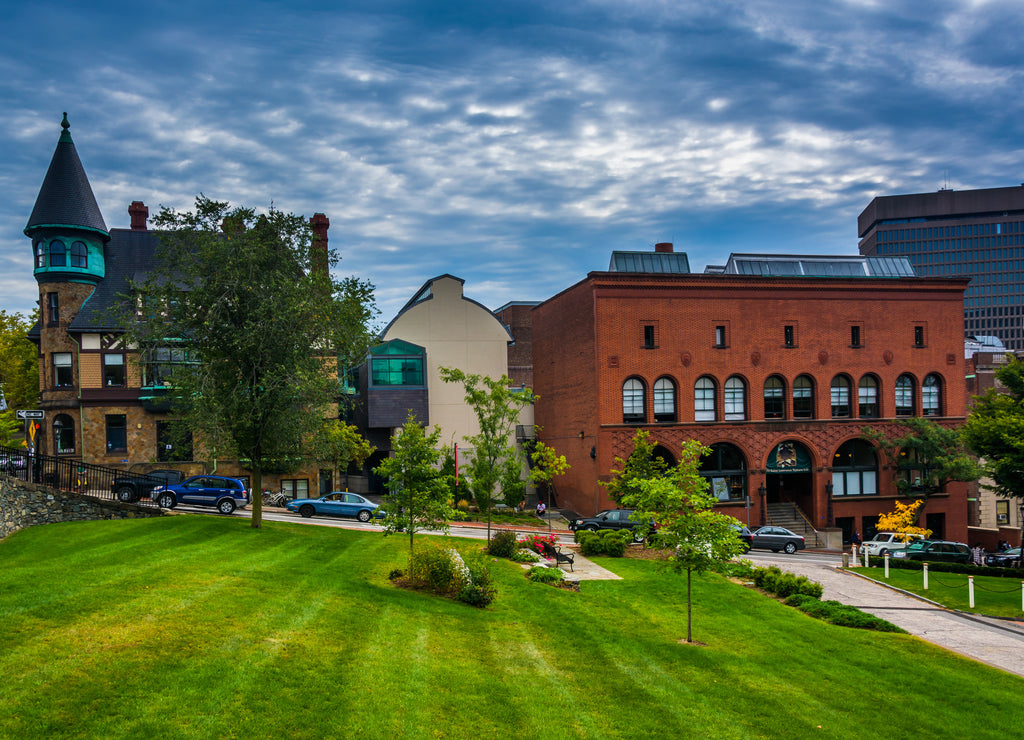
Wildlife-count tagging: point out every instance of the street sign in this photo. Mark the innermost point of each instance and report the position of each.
(29, 414)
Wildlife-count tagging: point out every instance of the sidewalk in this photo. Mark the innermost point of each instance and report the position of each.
(996, 642)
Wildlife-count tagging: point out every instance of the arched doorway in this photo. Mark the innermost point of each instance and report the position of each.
(788, 477)
(664, 454)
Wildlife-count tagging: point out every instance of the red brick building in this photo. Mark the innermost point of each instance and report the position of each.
(776, 362)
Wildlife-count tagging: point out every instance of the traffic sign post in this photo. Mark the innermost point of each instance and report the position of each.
(29, 414)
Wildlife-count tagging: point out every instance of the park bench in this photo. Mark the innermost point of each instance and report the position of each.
(555, 553)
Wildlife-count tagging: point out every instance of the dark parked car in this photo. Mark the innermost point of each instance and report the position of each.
(133, 486)
(1004, 559)
(776, 539)
(938, 551)
(227, 494)
(609, 519)
(745, 535)
(338, 503)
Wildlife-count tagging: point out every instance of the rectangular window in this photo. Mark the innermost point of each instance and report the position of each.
(160, 365)
(787, 334)
(63, 377)
(113, 370)
(854, 336)
(295, 487)
(397, 371)
(117, 433)
(52, 309)
(648, 336)
(1002, 512)
(720, 336)
(918, 336)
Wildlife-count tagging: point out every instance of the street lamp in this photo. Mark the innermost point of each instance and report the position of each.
(761, 491)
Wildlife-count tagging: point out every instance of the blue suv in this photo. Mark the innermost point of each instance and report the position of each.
(226, 494)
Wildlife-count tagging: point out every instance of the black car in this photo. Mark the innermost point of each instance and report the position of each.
(776, 539)
(132, 487)
(1004, 559)
(608, 519)
(938, 551)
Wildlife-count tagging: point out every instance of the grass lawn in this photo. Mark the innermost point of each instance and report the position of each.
(997, 597)
(197, 626)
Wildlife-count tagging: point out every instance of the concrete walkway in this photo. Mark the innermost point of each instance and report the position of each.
(996, 642)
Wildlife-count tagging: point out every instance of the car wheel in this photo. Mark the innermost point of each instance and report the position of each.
(790, 548)
(590, 528)
(167, 501)
(125, 494)
(363, 516)
(225, 506)
(775, 549)
(638, 538)
(307, 510)
(883, 552)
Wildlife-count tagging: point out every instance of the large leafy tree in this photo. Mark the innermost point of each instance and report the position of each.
(932, 455)
(677, 506)
(338, 445)
(642, 464)
(248, 298)
(420, 491)
(19, 372)
(995, 431)
(494, 457)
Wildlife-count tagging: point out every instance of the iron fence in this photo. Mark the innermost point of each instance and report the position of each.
(68, 474)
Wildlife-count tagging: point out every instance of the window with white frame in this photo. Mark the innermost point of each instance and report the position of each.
(803, 397)
(774, 398)
(841, 397)
(931, 396)
(704, 392)
(904, 396)
(867, 397)
(633, 402)
(664, 400)
(63, 376)
(735, 399)
(855, 469)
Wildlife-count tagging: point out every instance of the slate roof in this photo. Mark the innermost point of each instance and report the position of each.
(66, 198)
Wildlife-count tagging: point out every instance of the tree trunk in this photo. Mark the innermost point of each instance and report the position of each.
(257, 499)
(689, 607)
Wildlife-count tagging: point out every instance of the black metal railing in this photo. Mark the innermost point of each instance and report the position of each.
(68, 474)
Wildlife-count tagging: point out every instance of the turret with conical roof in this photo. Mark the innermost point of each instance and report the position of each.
(66, 227)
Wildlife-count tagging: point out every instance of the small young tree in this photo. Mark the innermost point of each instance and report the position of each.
(903, 521)
(641, 464)
(419, 495)
(497, 408)
(546, 465)
(677, 507)
(338, 445)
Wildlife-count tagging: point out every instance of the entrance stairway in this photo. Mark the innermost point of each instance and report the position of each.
(789, 515)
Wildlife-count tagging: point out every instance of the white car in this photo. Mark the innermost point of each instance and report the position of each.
(888, 542)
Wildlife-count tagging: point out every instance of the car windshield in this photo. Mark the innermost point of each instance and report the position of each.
(917, 545)
(880, 538)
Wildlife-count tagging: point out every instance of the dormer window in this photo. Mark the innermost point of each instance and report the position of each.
(58, 254)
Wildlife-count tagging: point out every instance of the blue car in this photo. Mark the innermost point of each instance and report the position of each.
(338, 503)
(226, 494)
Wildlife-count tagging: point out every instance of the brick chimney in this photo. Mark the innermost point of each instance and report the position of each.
(663, 247)
(139, 213)
(319, 223)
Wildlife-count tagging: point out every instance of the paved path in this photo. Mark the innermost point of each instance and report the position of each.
(997, 642)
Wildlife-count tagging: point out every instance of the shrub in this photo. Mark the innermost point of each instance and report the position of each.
(503, 544)
(540, 574)
(463, 506)
(433, 569)
(445, 572)
(604, 542)
(522, 556)
(395, 574)
(782, 584)
(534, 541)
(841, 615)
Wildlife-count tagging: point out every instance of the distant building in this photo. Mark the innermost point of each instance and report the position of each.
(975, 234)
(776, 362)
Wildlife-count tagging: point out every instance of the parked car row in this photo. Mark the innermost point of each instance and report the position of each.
(776, 539)
(937, 551)
(888, 543)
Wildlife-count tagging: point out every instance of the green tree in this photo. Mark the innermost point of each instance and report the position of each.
(642, 464)
(927, 457)
(339, 445)
(546, 465)
(995, 431)
(677, 506)
(420, 493)
(249, 300)
(19, 371)
(494, 457)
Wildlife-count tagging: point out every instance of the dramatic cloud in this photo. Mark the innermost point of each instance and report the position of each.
(514, 145)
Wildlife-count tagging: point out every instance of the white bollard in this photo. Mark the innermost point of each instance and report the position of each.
(886, 565)
(867, 558)
(970, 591)
(926, 576)
(853, 556)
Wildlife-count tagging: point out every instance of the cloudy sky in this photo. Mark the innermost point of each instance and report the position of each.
(513, 144)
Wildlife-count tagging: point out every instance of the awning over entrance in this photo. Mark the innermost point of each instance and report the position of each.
(789, 457)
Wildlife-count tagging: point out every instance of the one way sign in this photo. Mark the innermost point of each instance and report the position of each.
(29, 414)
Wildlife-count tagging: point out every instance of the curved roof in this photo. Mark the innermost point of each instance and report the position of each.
(65, 198)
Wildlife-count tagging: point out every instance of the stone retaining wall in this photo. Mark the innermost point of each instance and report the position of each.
(25, 504)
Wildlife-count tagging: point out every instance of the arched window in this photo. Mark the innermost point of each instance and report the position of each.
(664, 400)
(735, 399)
(774, 398)
(855, 469)
(726, 471)
(904, 396)
(79, 254)
(867, 397)
(841, 407)
(64, 434)
(633, 402)
(704, 392)
(58, 254)
(931, 396)
(803, 397)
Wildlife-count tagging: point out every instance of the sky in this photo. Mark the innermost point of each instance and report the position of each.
(513, 144)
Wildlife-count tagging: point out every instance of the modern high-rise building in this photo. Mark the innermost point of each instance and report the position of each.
(959, 233)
